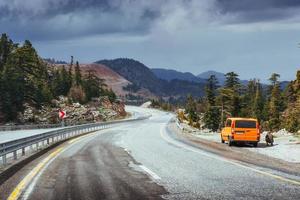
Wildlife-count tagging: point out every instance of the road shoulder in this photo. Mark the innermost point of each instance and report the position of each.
(239, 154)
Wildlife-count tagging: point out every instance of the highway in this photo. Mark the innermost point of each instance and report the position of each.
(142, 160)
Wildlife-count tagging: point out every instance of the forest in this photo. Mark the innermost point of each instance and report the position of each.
(275, 108)
(25, 78)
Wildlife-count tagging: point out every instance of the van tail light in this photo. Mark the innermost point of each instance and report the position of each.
(258, 128)
(232, 127)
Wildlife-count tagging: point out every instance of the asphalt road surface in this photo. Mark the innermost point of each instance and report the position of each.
(141, 160)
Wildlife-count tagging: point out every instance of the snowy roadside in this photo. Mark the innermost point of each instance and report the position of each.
(286, 146)
(6, 136)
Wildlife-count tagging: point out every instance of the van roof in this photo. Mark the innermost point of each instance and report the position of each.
(241, 118)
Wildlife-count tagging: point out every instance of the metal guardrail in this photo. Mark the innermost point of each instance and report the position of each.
(51, 137)
(36, 126)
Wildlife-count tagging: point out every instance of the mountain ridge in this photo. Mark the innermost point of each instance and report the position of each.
(142, 76)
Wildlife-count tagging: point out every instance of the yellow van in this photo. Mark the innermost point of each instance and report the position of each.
(241, 130)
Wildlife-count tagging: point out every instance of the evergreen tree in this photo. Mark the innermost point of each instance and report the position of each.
(290, 93)
(92, 85)
(191, 110)
(211, 90)
(70, 74)
(111, 95)
(212, 114)
(77, 78)
(12, 96)
(258, 104)
(232, 92)
(292, 113)
(212, 118)
(6, 47)
(64, 81)
(56, 83)
(247, 100)
(274, 103)
(232, 81)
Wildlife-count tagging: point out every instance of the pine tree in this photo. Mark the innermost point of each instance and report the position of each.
(64, 81)
(211, 90)
(212, 115)
(191, 110)
(212, 118)
(56, 83)
(13, 91)
(290, 93)
(6, 47)
(292, 113)
(92, 85)
(232, 81)
(274, 103)
(111, 95)
(258, 104)
(70, 74)
(77, 79)
(232, 91)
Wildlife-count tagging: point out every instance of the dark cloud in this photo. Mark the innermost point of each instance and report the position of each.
(259, 10)
(61, 19)
(65, 19)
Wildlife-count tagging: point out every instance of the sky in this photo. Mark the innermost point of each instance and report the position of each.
(254, 38)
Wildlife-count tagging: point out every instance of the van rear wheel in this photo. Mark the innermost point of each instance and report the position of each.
(230, 142)
(255, 144)
(222, 139)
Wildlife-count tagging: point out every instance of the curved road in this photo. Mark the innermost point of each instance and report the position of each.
(141, 160)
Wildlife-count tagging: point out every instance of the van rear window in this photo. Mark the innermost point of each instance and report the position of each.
(245, 124)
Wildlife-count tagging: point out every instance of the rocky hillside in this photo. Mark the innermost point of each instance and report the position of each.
(112, 79)
(100, 109)
(34, 89)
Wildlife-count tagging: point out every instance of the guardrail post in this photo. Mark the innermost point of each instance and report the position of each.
(23, 151)
(4, 159)
(15, 155)
(48, 141)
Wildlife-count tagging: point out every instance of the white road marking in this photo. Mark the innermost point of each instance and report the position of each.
(26, 186)
(195, 150)
(150, 172)
(30, 188)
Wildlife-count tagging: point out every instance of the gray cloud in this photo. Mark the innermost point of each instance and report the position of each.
(61, 19)
(259, 10)
(251, 37)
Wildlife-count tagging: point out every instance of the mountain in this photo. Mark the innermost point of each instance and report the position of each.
(220, 76)
(142, 77)
(110, 77)
(137, 73)
(284, 84)
(169, 74)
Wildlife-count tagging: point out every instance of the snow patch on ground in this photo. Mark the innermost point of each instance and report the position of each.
(286, 146)
(6, 136)
(146, 105)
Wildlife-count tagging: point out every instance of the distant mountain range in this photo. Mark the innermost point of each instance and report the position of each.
(220, 76)
(170, 74)
(142, 77)
(167, 74)
(136, 79)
